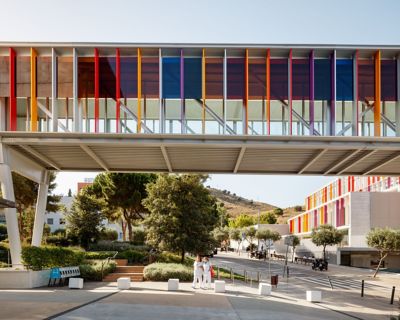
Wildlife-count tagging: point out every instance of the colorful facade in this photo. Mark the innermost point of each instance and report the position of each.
(201, 89)
(331, 204)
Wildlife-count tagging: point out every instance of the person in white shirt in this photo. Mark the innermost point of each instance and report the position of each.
(207, 273)
(197, 272)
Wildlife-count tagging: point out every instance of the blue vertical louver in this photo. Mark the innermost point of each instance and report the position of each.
(171, 78)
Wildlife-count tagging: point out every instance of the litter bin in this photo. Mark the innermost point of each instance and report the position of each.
(274, 280)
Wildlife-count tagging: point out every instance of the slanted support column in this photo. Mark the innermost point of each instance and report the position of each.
(54, 108)
(354, 121)
(398, 98)
(40, 210)
(7, 190)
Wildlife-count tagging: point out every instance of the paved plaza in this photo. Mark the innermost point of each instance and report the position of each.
(151, 300)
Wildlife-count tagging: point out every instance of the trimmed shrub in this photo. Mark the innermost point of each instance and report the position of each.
(169, 257)
(60, 232)
(109, 234)
(134, 256)
(164, 271)
(58, 240)
(99, 255)
(38, 258)
(92, 272)
(3, 264)
(107, 245)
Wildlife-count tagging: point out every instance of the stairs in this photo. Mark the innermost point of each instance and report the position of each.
(133, 272)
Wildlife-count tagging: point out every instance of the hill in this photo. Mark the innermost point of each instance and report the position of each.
(236, 205)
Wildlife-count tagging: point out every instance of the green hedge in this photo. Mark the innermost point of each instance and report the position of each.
(38, 258)
(99, 255)
(92, 272)
(107, 245)
(3, 265)
(134, 256)
(169, 257)
(164, 271)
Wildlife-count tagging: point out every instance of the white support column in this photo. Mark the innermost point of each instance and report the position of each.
(54, 107)
(7, 190)
(225, 90)
(3, 120)
(40, 210)
(75, 104)
(398, 98)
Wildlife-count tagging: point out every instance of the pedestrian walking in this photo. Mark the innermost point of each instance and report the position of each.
(197, 272)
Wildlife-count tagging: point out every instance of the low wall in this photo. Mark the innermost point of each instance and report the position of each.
(23, 279)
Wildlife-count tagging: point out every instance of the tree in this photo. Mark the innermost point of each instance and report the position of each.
(26, 192)
(278, 211)
(223, 215)
(326, 235)
(241, 221)
(268, 236)
(236, 235)
(183, 214)
(85, 218)
(122, 195)
(268, 218)
(250, 234)
(294, 243)
(221, 235)
(385, 241)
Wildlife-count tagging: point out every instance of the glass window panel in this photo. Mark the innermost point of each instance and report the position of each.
(23, 77)
(43, 76)
(344, 79)
(192, 77)
(85, 77)
(257, 78)
(4, 76)
(322, 79)
(301, 79)
(128, 81)
(366, 80)
(107, 77)
(279, 79)
(235, 75)
(171, 77)
(388, 80)
(64, 77)
(150, 77)
(214, 78)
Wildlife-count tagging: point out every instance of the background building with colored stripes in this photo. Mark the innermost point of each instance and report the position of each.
(201, 89)
(354, 205)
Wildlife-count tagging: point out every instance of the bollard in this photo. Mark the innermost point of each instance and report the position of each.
(362, 288)
(287, 271)
(392, 297)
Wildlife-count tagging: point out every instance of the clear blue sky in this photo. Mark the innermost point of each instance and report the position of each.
(208, 21)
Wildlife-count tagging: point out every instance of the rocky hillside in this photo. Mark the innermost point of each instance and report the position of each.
(237, 205)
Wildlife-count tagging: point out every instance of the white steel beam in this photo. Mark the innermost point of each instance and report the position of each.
(382, 163)
(318, 155)
(338, 164)
(41, 157)
(350, 165)
(239, 159)
(25, 166)
(54, 107)
(94, 156)
(166, 158)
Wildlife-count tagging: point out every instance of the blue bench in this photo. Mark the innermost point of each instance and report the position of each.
(62, 275)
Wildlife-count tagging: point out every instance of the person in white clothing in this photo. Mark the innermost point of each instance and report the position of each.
(197, 272)
(206, 273)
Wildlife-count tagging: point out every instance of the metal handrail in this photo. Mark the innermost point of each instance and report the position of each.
(105, 262)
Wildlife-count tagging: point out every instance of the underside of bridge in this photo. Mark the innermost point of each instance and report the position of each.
(295, 155)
